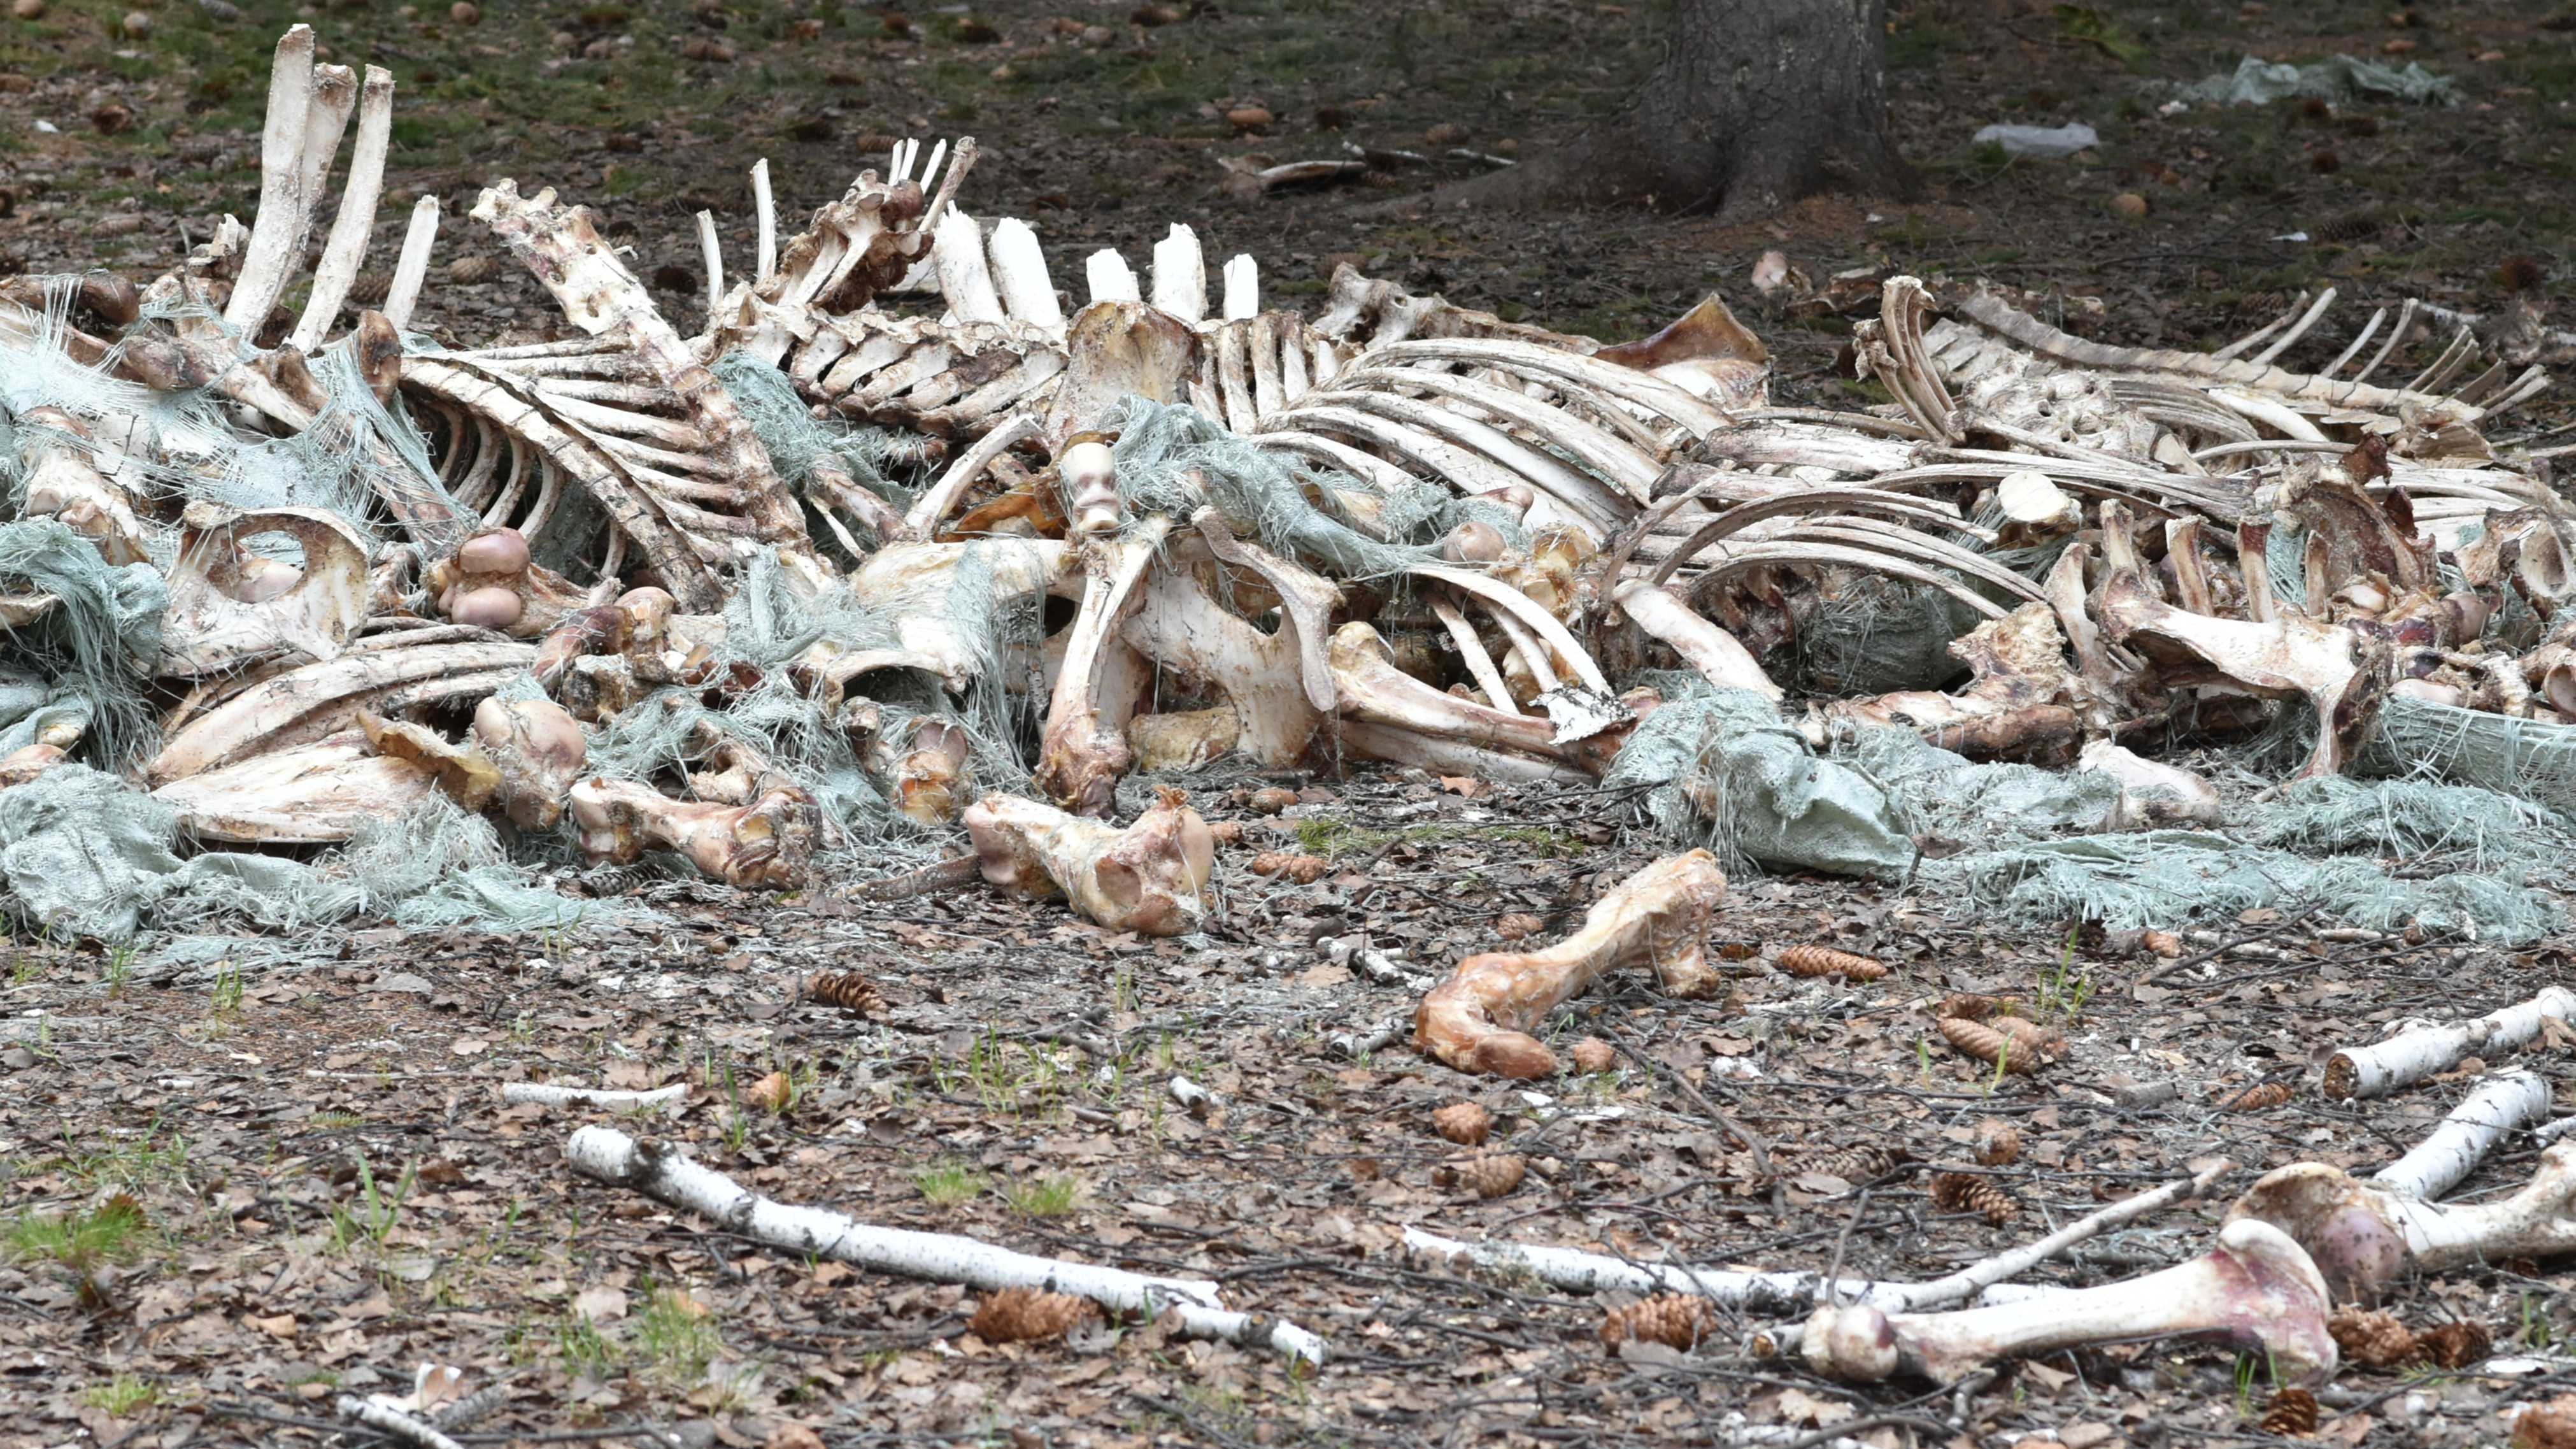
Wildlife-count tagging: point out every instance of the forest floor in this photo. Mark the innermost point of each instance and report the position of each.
(231, 1196)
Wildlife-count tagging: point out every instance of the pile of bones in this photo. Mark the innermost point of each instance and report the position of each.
(1400, 531)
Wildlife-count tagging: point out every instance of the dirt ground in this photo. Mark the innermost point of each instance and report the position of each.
(235, 1192)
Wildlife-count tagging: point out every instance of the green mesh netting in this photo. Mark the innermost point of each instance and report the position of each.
(96, 643)
(796, 439)
(1257, 492)
(2515, 756)
(1878, 635)
(84, 854)
(1721, 770)
(1944, 794)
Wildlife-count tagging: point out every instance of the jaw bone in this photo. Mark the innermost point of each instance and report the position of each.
(2256, 1289)
(1150, 878)
(1479, 1019)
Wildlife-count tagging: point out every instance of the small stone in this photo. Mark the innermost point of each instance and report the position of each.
(28, 9)
(2130, 205)
(137, 25)
(17, 1058)
(465, 12)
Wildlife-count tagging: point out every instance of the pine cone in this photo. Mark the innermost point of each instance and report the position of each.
(1860, 1163)
(1826, 961)
(1464, 1123)
(2043, 1044)
(2293, 1414)
(1289, 865)
(2259, 1097)
(1592, 1054)
(370, 289)
(1025, 1315)
(1989, 1045)
(1487, 1174)
(2547, 1426)
(2456, 1345)
(1958, 1192)
(2000, 1146)
(1272, 799)
(2373, 1339)
(847, 990)
(1519, 926)
(1675, 1320)
(1966, 1006)
(1226, 832)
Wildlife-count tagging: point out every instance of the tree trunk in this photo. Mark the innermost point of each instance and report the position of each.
(1756, 104)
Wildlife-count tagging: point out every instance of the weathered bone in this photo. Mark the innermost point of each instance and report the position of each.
(2019, 703)
(305, 795)
(1150, 877)
(765, 845)
(54, 458)
(2366, 1235)
(1480, 1019)
(2151, 794)
(538, 750)
(317, 700)
(229, 605)
(2256, 1290)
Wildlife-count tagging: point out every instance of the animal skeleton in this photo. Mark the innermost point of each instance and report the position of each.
(587, 511)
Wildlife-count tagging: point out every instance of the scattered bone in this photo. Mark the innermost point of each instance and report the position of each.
(1151, 877)
(1479, 1020)
(2256, 1290)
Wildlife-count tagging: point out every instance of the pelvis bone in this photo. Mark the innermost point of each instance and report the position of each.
(229, 604)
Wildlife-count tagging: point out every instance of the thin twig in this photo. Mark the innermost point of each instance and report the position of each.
(1753, 1141)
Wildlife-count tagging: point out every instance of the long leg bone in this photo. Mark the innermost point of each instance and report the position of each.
(1479, 1020)
(1150, 878)
(2364, 1235)
(2256, 1290)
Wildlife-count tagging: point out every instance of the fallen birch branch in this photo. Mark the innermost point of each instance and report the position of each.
(1577, 1271)
(1795, 1292)
(2412, 1056)
(2505, 1101)
(394, 1423)
(667, 1175)
(547, 1094)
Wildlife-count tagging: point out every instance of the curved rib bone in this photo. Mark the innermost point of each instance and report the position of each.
(2256, 1290)
(320, 699)
(1479, 1019)
(309, 795)
(1150, 878)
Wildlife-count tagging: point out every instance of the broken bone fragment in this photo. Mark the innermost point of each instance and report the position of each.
(2255, 1290)
(765, 845)
(2151, 794)
(1150, 877)
(491, 582)
(1480, 1019)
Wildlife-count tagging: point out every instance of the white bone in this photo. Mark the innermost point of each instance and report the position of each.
(2256, 1289)
(767, 207)
(283, 207)
(964, 280)
(710, 248)
(2425, 1048)
(1150, 877)
(1180, 275)
(1020, 270)
(1108, 276)
(1242, 288)
(413, 267)
(346, 250)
